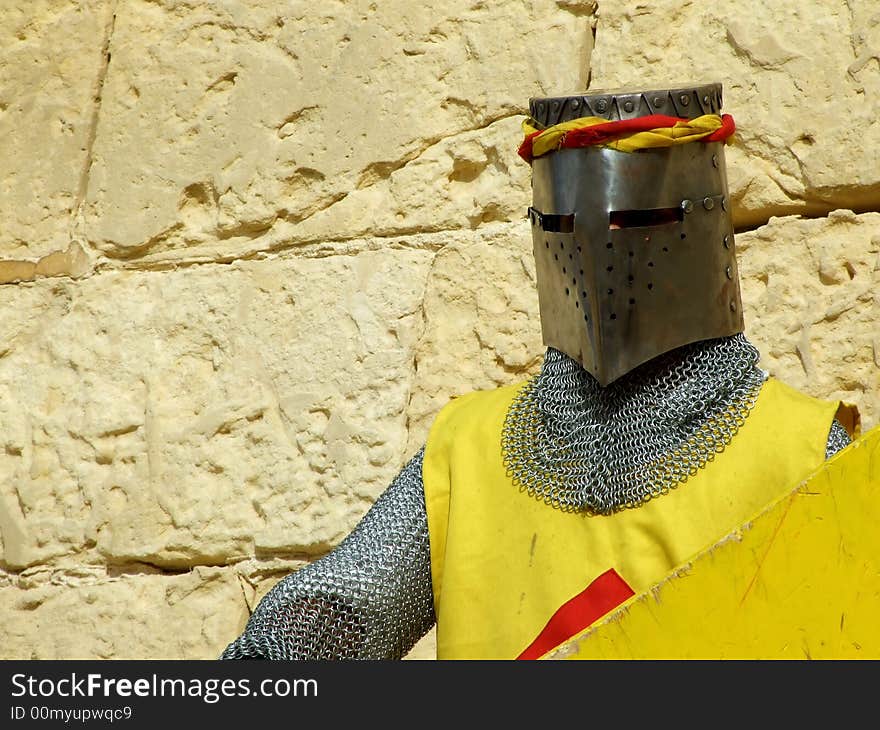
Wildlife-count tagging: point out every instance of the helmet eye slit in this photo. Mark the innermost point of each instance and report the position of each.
(618, 219)
(551, 222)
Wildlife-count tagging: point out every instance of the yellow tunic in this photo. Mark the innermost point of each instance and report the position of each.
(503, 562)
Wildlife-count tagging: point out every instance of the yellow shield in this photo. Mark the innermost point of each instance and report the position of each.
(801, 580)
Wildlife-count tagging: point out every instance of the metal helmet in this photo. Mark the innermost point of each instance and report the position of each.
(634, 250)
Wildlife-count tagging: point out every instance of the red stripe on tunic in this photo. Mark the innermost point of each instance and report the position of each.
(605, 593)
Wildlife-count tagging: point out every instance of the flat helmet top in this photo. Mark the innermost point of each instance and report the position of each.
(684, 100)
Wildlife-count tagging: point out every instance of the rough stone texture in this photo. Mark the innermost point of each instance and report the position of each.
(176, 418)
(233, 127)
(800, 79)
(89, 613)
(482, 328)
(249, 249)
(811, 289)
(72, 261)
(50, 75)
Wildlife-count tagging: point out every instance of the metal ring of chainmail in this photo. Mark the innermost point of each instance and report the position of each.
(370, 598)
(583, 447)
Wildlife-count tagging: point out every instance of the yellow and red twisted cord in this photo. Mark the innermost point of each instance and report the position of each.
(625, 135)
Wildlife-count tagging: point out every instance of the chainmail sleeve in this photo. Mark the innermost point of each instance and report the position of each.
(838, 438)
(370, 598)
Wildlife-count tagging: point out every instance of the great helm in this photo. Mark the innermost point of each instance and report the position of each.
(631, 224)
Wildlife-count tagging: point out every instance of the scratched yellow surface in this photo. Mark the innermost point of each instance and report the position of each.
(800, 580)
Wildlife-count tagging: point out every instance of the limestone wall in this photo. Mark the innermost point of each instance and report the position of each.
(248, 249)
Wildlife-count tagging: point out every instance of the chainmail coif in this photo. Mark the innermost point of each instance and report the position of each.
(583, 447)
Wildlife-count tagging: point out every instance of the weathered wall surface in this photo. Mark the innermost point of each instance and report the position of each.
(249, 249)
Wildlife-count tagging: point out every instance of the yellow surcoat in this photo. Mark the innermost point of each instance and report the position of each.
(504, 563)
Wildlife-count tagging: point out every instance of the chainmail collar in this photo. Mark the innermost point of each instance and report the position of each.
(581, 447)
